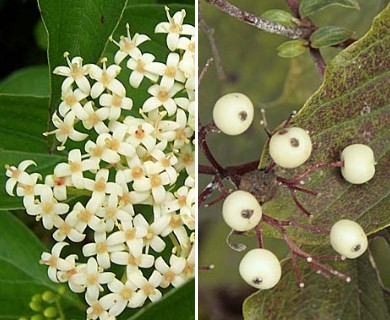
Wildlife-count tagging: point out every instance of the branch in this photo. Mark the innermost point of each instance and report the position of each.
(249, 18)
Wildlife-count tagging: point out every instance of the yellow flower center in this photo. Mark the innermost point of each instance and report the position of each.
(101, 247)
(163, 95)
(126, 293)
(137, 172)
(100, 185)
(155, 181)
(175, 222)
(74, 166)
(140, 66)
(148, 289)
(130, 234)
(170, 72)
(47, 207)
(70, 100)
(84, 215)
(116, 101)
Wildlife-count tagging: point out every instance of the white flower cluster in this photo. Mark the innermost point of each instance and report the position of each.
(132, 156)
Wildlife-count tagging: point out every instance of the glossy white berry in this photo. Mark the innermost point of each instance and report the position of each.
(347, 237)
(359, 163)
(260, 268)
(233, 113)
(290, 147)
(241, 211)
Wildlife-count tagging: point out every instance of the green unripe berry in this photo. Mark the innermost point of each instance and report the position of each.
(50, 312)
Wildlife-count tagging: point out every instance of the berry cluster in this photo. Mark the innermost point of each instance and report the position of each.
(289, 148)
(131, 185)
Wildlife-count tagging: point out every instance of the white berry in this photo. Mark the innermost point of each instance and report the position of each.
(233, 113)
(290, 147)
(260, 268)
(241, 211)
(359, 163)
(347, 237)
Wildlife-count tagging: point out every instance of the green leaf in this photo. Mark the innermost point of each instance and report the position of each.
(308, 7)
(22, 122)
(32, 81)
(279, 16)
(351, 106)
(178, 303)
(363, 298)
(291, 49)
(329, 36)
(81, 28)
(45, 165)
(21, 276)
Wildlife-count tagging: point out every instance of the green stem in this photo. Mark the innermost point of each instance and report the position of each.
(60, 311)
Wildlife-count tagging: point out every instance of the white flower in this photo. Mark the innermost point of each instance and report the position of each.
(182, 132)
(152, 238)
(58, 184)
(129, 198)
(176, 226)
(103, 246)
(95, 118)
(171, 274)
(188, 45)
(148, 288)
(162, 96)
(155, 182)
(100, 186)
(98, 308)
(75, 168)
(174, 27)
(189, 269)
(101, 151)
(56, 263)
(76, 72)
(139, 66)
(140, 132)
(115, 104)
(167, 161)
(112, 213)
(164, 130)
(18, 175)
(81, 217)
(48, 208)
(106, 79)
(129, 46)
(169, 71)
(186, 159)
(122, 294)
(65, 129)
(65, 229)
(71, 102)
(91, 279)
(117, 142)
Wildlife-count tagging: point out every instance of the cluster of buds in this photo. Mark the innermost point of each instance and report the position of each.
(127, 192)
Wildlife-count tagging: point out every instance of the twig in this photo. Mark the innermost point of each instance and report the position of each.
(294, 7)
(204, 70)
(318, 61)
(249, 18)
(209, 32)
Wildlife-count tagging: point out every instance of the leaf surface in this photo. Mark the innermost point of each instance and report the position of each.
(351, 106)
(362, 298)
(21, 276)
(308, 7)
